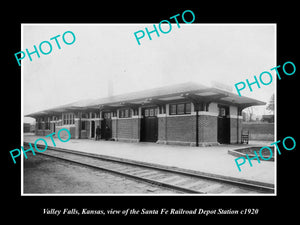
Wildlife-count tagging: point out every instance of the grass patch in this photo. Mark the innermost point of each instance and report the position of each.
(250, 151)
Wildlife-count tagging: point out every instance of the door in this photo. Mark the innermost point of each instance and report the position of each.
(149, 125)
(106, 131)
(223, 125)
(93, 129)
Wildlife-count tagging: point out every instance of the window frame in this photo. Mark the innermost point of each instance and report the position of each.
(83, 127)
(68, 118)
(190, 108)
(173, 108)
(135, 112)
(182, 110)
(125, 113)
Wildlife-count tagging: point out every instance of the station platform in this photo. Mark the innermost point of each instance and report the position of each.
(213, 160)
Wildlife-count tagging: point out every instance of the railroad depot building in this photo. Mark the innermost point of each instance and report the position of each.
(187, 114)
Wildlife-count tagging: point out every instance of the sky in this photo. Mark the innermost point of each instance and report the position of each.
(202, 53)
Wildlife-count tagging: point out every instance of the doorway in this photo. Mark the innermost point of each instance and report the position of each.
(223, 125)
(106, 129)
(149, 125)
(93, 129)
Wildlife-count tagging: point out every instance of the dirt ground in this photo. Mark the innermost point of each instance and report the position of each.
(210, 159)
(46, 175)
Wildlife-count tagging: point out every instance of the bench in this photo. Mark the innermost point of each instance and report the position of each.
(245, 137)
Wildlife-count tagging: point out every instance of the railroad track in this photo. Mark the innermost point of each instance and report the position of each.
(185, 182)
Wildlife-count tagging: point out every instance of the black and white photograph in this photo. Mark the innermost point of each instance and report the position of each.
(140, 113)
(108, 112)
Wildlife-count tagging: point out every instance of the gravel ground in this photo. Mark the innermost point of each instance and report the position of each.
(46, 175)
(213, 159)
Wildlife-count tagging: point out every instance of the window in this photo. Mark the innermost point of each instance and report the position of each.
(181, 108)
(39, 122)
(203, 106)
(107, 115)
(146, 112)
(222, 111)
(60, 120)
(151, 112)
(173, 109)
(188, 108)
(124, 113)
(121, 113)
(68, 118)
(82, 125)
(162, 109)
(47, 124)
(135, 112)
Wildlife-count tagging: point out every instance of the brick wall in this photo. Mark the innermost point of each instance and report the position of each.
(208, 129)
(162, 129)
(136, 128)
(87, 128)
(181, 128)
(83, 134)
(114, 124)
(43, 132)
(77, 130)
(63, 134)
(177, 129)
(235, 123)
(259, 131)
(126, 129)
(233, 130)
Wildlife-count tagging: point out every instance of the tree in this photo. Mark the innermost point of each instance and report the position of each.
(271, 104)
(250, 112)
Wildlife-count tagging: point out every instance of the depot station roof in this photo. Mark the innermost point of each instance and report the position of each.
(161, 95)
